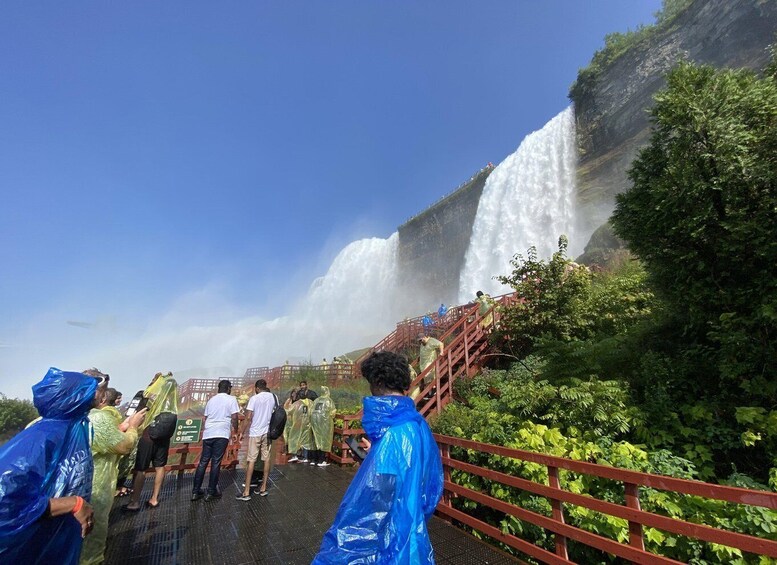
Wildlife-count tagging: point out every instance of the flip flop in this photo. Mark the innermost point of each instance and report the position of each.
(148, 503)
(127, 508)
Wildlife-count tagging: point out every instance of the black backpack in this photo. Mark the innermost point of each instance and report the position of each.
(277, 421)
(163, 426)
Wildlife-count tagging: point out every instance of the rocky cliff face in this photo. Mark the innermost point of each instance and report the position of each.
(612, 117)
(432, 246)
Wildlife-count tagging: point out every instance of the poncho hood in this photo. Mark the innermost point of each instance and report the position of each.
(63, 395)
(383, 412)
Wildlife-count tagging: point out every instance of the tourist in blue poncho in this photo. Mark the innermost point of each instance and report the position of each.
(46, 474)
(383, 515)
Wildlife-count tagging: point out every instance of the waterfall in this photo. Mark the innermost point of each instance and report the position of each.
(528, 200)
(357, 294)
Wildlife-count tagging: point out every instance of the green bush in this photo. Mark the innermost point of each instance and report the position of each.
(502, 428)
(15, 414)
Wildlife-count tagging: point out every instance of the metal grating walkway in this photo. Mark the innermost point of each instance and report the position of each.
(285, 527)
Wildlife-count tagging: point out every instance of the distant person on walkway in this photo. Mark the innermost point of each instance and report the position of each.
(46, 474)
(429, 350)
(323, 424)
(441, 311)
(221, 421)
(485, 302)
(427, 321)
(154, 443)
(112, 437)
(258, 414)
(383, 515)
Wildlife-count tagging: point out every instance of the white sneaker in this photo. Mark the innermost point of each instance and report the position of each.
(294, 459)
(304, 461)
(323, 464)
(313, 463)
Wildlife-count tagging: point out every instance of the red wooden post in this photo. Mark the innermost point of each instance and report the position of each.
(558, 513)
(636, 538)
(446, 473)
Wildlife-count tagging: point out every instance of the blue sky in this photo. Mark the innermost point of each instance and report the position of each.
(198, 163)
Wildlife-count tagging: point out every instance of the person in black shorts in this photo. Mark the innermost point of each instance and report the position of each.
(154, 444)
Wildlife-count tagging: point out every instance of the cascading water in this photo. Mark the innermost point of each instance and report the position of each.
(528, 200)
(357, 294)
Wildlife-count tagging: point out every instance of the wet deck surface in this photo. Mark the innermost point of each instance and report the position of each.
(285, 527)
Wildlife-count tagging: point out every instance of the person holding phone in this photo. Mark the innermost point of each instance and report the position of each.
(383, 515)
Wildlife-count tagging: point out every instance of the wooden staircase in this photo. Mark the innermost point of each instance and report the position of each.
(466, 342)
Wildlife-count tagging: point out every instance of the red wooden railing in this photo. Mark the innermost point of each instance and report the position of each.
(462, 356)
(631, 512)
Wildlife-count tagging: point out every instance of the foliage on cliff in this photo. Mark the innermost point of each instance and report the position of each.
(616, 44)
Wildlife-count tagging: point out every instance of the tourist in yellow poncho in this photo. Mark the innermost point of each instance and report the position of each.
(108, 444)
(485, 302)
(430, 349)
(154, 442)
(323, 425)
(300, 434)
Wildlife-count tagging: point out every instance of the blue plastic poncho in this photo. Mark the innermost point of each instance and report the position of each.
(383, 515)
(49, 459)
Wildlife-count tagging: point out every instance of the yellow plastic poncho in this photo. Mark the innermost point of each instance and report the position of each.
(484, 304)
(108, 444)
(322, 420)
(300, 435)
(429, 351)
(162, 398)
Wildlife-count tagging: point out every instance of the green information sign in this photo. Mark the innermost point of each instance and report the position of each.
(188, 430)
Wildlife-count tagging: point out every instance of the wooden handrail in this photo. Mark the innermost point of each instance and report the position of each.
(631, 512)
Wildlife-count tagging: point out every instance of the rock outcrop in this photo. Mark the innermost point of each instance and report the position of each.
(612, 115)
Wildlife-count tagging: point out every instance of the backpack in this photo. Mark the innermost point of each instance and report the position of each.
(163, 426)
(277, 421)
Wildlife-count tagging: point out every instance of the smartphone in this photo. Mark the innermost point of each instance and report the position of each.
(137, 403)
(358, 451)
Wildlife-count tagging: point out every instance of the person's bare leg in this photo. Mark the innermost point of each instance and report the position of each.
(249, 473)
(137, 489)
(159, 478)
(267, 465)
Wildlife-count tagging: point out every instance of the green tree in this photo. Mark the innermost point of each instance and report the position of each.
(14, 415)
(702, 216)
(550, 294)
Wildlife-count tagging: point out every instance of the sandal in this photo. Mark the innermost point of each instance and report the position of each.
(148, 503)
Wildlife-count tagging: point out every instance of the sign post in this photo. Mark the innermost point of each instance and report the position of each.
(188, 430)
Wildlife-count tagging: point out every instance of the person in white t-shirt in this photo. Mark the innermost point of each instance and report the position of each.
(220, 422)
(258, 413)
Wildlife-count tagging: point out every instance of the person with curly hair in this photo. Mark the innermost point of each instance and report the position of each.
(383, 515)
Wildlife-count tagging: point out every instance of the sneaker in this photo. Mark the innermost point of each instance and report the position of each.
(242, 497)
(323, 464)
(213, 496)
(196, 496)
(313, 463)
(304, 461)
(292, 460)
